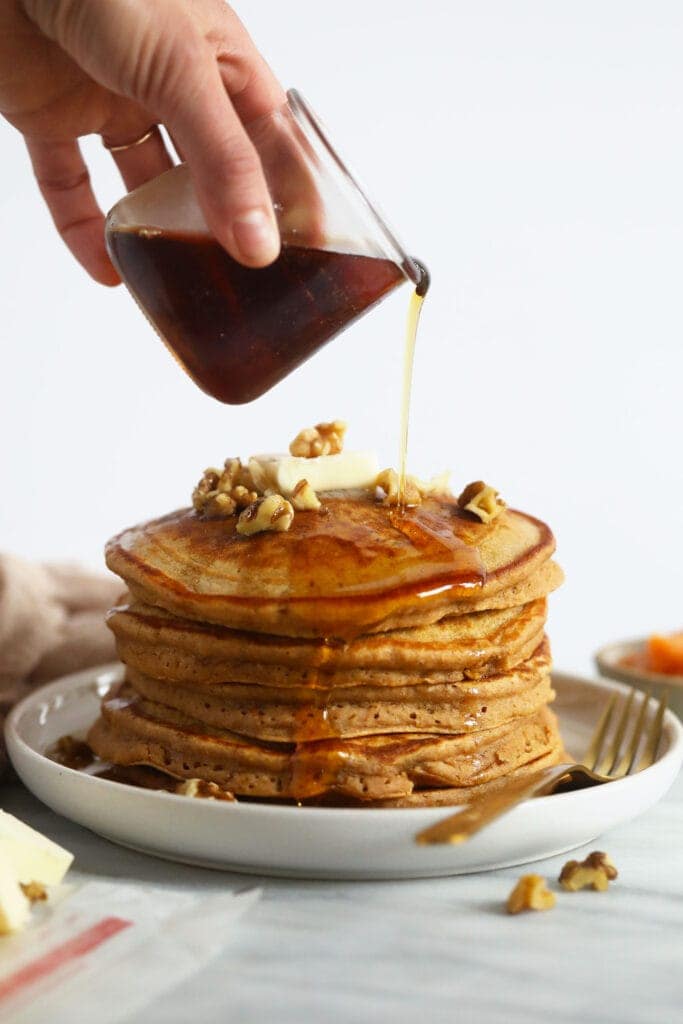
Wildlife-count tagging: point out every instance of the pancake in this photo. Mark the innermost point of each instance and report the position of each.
(293, 713)
(457, 795)
(358, 568)
(365, 655)
(473, 645)
(133, 730)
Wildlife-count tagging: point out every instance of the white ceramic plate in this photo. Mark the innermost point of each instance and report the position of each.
(315, 842)
(609, 661)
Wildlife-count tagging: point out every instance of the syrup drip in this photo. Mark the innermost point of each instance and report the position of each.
(414, 310)
(316, 767)
(316, 758)
(312, 718)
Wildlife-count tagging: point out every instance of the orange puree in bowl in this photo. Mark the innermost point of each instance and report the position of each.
(665, 654)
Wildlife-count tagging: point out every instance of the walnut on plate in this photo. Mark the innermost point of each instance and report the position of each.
(323, 439)
(530, 893)
(482, 501)
(272, 513)
(596, 871)
(200, 789)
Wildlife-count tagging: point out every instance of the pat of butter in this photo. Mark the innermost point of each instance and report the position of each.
(15, 908)
(32, 856)
(344, 471)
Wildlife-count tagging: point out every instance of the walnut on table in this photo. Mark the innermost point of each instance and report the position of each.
(596, 871)
(530, 893)
(323, 439)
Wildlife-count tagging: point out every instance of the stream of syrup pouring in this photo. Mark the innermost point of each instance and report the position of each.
(317, 760)
(414, 309)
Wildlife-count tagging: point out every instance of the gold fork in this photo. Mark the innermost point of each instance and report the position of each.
(605, 760)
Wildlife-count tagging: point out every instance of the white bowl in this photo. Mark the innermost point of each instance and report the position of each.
(609, 661)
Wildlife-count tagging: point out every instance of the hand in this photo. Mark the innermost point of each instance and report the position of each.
(117, 67)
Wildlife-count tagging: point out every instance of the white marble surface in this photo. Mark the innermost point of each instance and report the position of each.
(441, 949)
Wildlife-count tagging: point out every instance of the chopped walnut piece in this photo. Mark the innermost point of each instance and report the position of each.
(388, 481)
(206, 486)
(34, 891)
(223, 492)
(219, 504)
(242, 496)
(482, 501)
(596, 871)
(415, 490)
(203, 790)
(323, 439)
(270, 513)
(304, 498)
(530, 893)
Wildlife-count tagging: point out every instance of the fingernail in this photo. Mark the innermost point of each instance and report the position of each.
(256, 237)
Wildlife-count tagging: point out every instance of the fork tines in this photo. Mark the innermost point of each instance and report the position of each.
(613, 750)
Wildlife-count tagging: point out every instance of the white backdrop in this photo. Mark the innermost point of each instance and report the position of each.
(531, 155)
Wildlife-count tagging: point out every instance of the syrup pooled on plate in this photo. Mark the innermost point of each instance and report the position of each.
(237, 330)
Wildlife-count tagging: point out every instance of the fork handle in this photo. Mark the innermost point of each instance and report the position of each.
(481, 812)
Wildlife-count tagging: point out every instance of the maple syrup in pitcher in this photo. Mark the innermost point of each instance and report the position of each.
(237, 331)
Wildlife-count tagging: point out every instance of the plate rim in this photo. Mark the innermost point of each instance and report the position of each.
(74, 680)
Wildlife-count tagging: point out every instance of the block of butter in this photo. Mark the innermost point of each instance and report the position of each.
(32, 856)
(344, 471)
(15, 908)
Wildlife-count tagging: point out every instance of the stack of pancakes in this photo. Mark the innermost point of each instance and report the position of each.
(392, 658)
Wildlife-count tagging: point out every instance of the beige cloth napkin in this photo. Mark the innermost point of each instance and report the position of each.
(51, 623)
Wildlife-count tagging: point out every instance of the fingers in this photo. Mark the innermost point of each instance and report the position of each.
(138, 163)
(225, 168)
(64, 182)
(252, 86)
(179, 61)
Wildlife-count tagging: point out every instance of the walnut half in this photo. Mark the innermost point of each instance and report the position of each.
(596, 871)
(272, 513)
(323, 439)
(530, 893)
(482, 501)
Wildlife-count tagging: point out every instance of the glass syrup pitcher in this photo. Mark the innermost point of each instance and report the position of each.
(236, 330)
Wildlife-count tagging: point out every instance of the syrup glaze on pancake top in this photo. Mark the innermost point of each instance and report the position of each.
(351, 650)
(354, 567)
